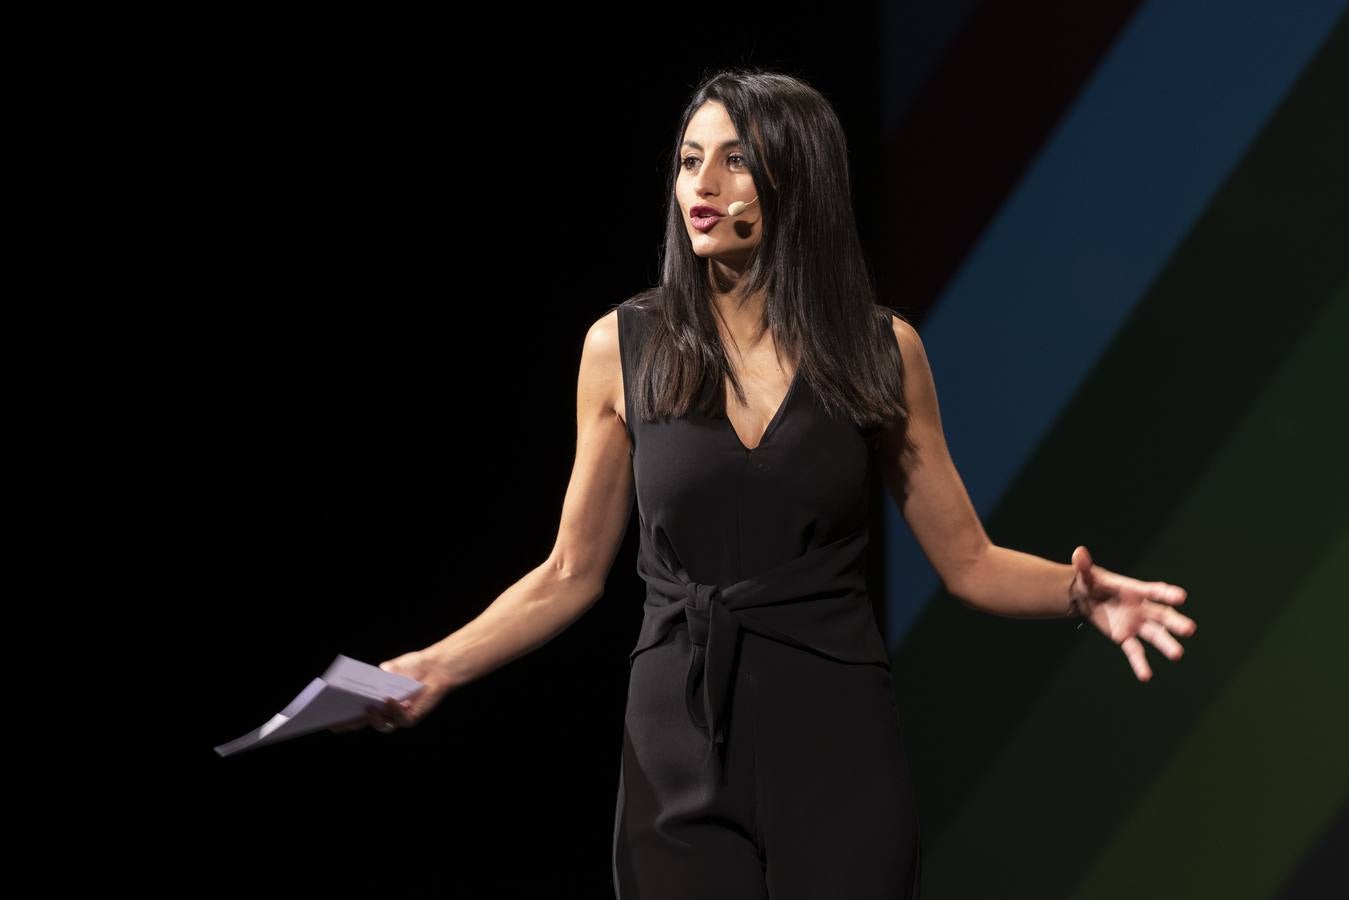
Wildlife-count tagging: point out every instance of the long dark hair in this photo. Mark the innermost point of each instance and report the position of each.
(820, 302)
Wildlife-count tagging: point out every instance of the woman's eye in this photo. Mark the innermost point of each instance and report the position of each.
(736, 157)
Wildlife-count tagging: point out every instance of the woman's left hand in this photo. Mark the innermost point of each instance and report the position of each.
(1125, 609)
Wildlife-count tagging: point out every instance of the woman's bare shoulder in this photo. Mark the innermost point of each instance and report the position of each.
(602, 364)
(906, 335)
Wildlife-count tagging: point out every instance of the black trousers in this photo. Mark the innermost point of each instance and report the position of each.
(817, 802)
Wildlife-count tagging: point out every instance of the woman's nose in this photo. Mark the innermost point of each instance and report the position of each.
(704, 184)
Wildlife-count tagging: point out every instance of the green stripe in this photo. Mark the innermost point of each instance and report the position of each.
(1251, 789)
(1088, 745)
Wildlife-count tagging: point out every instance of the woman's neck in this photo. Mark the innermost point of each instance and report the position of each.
(741, 317)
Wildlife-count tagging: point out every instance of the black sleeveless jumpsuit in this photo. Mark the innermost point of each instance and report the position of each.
(762, 754)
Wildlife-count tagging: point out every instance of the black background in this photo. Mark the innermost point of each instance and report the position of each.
(383, 241)
(399, 235)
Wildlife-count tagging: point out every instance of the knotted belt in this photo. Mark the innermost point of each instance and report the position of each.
(817, 601)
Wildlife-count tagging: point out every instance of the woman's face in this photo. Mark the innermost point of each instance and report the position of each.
(713, 175)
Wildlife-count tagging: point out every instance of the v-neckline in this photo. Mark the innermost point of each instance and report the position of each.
(772, 423)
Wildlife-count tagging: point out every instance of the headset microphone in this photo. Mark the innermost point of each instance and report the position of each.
(739, 206)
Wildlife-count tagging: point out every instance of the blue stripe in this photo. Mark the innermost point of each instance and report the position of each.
(1157, 130)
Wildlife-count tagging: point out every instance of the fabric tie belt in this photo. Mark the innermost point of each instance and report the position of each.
(817, 601)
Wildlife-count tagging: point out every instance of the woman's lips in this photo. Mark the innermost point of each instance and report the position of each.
(705, 223)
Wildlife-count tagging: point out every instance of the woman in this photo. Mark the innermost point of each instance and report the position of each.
(744, 401)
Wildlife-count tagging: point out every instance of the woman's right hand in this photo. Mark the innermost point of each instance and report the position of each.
(421, 665)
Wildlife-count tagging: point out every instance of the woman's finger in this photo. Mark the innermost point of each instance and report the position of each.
(376, 717)
(396, 712)
(1162, 640)
(1173, 621)
(1133, 651)
(1160, 592)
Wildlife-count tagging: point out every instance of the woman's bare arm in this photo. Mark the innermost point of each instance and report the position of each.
(595, 516)
(931, 496)
(926, 487)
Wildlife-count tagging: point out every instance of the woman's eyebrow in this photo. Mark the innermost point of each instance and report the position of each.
(723, 145)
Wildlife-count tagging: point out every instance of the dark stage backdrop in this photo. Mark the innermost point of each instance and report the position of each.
(1121, 230)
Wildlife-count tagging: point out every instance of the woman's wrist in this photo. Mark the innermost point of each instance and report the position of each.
(448, 664)
(1076, 606)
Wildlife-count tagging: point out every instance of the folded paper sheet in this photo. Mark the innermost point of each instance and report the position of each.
(340, 694)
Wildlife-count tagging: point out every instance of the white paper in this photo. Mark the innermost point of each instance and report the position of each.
(340, 694)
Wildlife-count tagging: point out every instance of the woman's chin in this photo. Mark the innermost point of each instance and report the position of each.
(710, 250)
